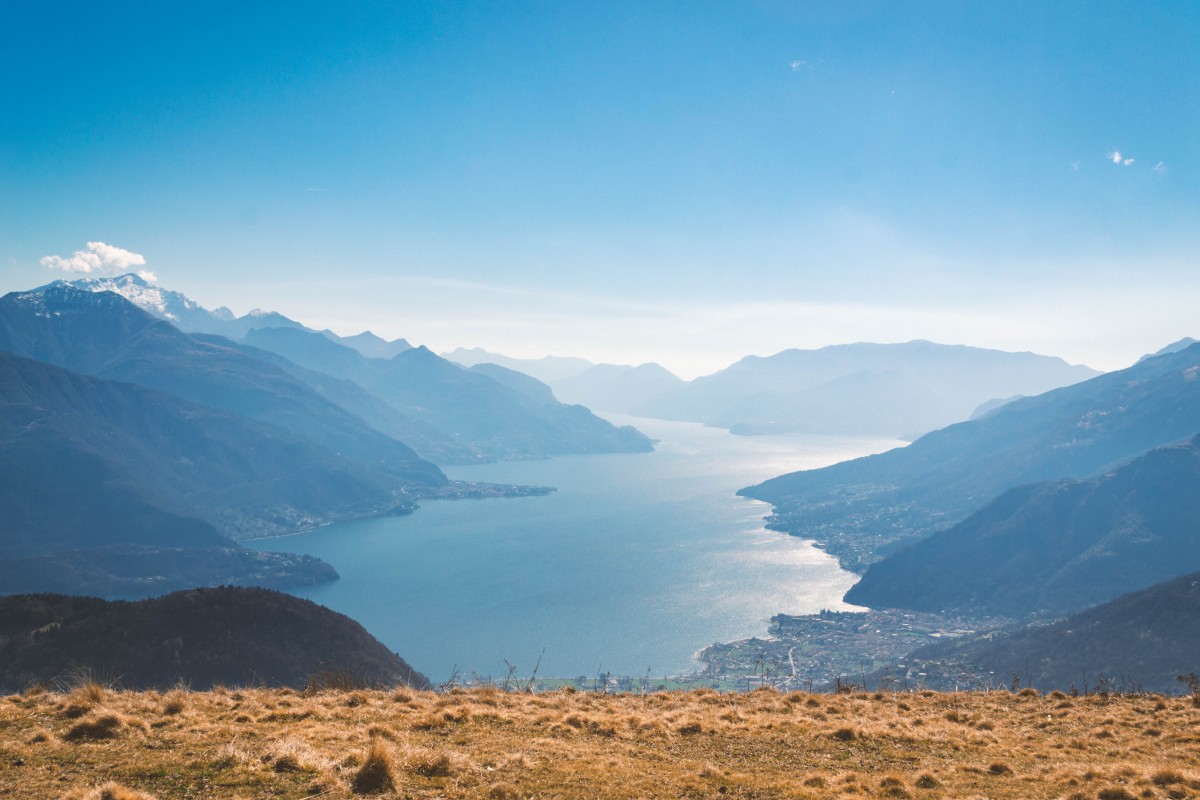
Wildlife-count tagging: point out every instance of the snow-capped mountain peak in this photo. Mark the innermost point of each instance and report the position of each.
(160, 302)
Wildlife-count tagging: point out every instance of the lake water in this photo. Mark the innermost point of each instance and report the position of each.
(634, 564)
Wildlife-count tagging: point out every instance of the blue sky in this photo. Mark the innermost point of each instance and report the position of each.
(680, 182)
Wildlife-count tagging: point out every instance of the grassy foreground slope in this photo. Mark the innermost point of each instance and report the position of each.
(254, 743)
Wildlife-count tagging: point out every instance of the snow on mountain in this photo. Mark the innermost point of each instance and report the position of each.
(146, 296)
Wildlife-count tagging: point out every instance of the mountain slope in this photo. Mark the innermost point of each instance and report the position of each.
(1147, 638)
(73, 446)
(480, 414)
(102, 334)
(865, 506)
(198, 638)
(864, 388)
(1054, 548)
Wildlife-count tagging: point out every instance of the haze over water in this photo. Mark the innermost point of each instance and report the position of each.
(634, 564)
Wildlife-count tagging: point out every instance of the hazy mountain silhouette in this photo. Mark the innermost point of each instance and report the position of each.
(370, 345)
(197, 638)
(480, 414)
(863, 506)
(1055, 547)
(1173, 347)
(618, 388)
(872, 389)
(548, 369)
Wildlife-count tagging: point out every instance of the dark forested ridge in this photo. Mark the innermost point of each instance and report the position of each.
(1055, 547)
(198, 638)
(863, 507)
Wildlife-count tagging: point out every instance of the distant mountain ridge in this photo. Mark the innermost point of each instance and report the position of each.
(548, 369)
(861, 389)
(190, 317)
(465, 415)
(865, 507)
(619, 388)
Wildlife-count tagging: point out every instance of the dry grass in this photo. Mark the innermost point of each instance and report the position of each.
(96, 744)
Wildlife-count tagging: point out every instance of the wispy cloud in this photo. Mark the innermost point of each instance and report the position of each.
(1159, 167)
(797, 64)
(98, 257)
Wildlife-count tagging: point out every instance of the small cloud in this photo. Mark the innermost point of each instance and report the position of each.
(797, 64)
(1116, 157)
(1074, 166)
(98, 257)
(147, 276)
(1159, 167)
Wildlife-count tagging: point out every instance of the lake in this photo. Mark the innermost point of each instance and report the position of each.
(633, 565)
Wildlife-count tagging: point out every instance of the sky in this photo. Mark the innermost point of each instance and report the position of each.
(685, 183)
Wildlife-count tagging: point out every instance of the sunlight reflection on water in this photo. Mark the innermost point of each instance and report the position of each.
(637, 561)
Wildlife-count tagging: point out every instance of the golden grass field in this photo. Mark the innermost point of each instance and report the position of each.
(93, 743)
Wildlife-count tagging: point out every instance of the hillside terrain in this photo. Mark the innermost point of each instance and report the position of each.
(1056, 547)
(867, 507)
(116, 447)
(227, 743)
(1144, 639)
(196, 638)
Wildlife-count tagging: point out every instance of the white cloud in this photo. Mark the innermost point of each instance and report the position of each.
(1160, 167)
(147, 276)
(1116, 157)
(797, 64)
(98, 257)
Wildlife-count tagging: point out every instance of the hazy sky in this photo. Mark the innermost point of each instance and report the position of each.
(681, 182)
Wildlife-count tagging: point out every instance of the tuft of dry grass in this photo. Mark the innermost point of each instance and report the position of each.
(109, 791)
(102, 726)
(377, 774)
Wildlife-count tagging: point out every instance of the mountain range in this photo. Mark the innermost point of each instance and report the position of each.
(1056, 547)
(895, 390)
(461, 415)
(449, 415)
(865, 508)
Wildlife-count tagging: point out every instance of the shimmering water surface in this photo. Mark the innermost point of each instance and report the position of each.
(634, 564)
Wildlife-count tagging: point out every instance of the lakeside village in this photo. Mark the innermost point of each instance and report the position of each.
(814, 652)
